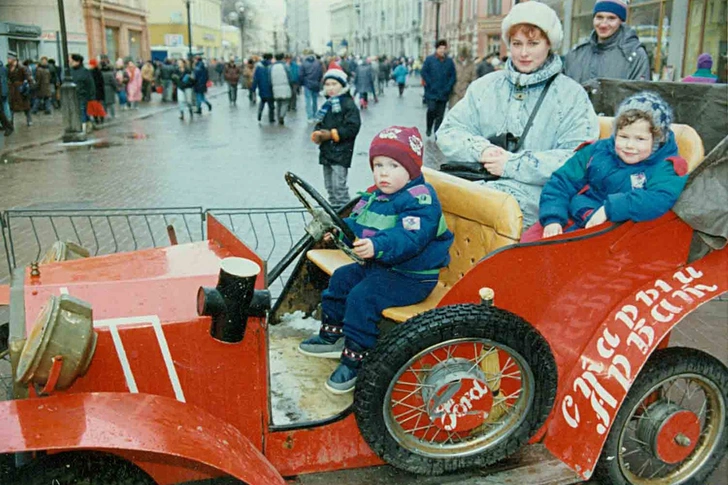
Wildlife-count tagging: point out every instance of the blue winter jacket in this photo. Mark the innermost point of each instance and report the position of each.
(293, 72)
(201, 78)
(595, 176)
(311, 74)
(400, 74)
(439, 76)
(407, 228)
(3, 81)
(261, 80)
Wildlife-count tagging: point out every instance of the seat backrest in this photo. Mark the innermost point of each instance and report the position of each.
(689, 144)
(481, 219)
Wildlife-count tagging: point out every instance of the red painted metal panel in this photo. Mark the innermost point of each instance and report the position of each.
(334, 446)
(141, 422)
(4, 295)
(595, 389)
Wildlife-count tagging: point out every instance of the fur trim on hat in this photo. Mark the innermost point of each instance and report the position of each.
(538, 14)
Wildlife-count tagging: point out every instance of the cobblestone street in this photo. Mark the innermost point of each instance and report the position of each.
(227, 159)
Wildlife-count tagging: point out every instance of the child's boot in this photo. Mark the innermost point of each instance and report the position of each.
(328, 343)
(343, 379)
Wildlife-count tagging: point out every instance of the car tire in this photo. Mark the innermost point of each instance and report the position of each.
(76, 468)
(446, 334)
(620, 460)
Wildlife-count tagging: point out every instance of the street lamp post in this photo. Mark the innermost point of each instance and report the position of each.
(437, 19)
(70, 107)
(189, 30)
(238, 17)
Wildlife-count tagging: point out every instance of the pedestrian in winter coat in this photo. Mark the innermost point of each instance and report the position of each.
(262, 82)
(43, 87)
(703, 74)
(147, 81)
(294, 76)
(311, 75)
(232, 75)
(613, 49)
(111, 87)
(364, 83)
(403, 238)
(184, 82)
(95, 106)
(464, 74)
(5, 121)
(281, 83)
(248, 72)
(485, 125)
(201, 79)
(134, 86)
(85, 87)
(385, 68)
(636, 174)
(19, 85)
(400, 77)
(337, 124)
(165, 78)
(219, 72)
(438, 76)
(484, 67)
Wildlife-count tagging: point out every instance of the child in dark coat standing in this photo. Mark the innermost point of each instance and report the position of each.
(337, 124)
(636, 174)
(403, 238)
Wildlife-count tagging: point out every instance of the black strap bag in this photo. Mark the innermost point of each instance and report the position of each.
(474, 170)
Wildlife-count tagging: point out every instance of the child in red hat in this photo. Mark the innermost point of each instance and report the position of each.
(404, 240)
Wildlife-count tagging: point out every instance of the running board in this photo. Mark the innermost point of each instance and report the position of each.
(533, 465)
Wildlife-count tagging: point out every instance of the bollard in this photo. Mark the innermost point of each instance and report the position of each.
(71, 111)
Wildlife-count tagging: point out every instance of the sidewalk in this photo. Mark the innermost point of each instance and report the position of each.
(49, 128)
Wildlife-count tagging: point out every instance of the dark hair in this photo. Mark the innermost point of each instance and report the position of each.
(279, 56)
(77, 58)
(633, 115)
(441, 42)
(268, 56)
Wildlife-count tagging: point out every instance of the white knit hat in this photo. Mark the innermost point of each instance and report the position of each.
(336, 74)
(538, 14)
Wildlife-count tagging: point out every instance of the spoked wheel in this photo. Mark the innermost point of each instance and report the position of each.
(455, 387)
(325, 219)
(672, 428)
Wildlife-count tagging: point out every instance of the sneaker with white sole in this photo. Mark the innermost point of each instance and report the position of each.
(324, 347)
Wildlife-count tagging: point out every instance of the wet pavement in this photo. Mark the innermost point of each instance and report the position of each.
(225, 158)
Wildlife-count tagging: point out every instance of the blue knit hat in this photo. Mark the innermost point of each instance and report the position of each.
(652, 104)
(617, 7)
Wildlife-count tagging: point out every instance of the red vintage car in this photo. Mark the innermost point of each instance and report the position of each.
(175, 364)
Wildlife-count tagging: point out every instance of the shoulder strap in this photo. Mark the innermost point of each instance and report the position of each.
(534, 112)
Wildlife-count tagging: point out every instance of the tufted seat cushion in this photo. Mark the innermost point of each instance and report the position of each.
(689, 143)
(481, 219)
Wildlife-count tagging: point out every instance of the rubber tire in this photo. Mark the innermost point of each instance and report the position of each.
(661, 365)
(434, 327)
(82, 468)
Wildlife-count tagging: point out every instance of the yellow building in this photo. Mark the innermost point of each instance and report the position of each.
(167, 23)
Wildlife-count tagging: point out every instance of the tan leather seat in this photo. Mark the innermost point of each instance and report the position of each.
(481, 219)
(689, 143)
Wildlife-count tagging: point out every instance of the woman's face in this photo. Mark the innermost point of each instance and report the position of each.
(529, 54)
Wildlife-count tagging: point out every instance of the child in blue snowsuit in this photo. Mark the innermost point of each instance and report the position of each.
(636, 174)
(402, 236)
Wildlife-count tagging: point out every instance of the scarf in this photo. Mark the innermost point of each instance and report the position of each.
(332, 104)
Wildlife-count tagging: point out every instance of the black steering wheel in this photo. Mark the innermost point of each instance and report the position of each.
(325, 218)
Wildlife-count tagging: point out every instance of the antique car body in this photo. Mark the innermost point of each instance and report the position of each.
(181, 405)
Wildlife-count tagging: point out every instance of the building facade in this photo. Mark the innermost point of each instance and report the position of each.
(388, 27)
(298, 25)
(117, 28)
(168, 24)
(343, 26)
(674, 32)
(31, 29)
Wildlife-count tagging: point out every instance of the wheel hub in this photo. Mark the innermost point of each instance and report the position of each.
(670, 432)
(456, 395)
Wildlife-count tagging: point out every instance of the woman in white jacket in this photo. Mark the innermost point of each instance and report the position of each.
(500, 104)
(280, 80)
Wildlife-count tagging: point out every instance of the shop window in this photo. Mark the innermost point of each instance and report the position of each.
(26, 49)
(707, 33)
(651, 21)
(135, 43)
(112, 43)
